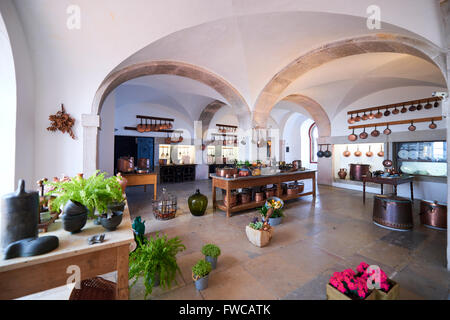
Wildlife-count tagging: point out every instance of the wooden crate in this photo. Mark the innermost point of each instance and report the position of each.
(335, 294)
(392, 294)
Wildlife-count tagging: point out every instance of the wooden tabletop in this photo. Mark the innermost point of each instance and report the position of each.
(214, 176)
(76, 244)
(389, 180)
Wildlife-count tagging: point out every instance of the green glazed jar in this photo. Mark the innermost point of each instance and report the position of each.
(198, 203)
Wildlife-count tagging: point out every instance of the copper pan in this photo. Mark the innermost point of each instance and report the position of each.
(365, 116)
(351, 120)
(353, 136)
(387, 131)
(371, 115)
(148, 127)
(140, 127)
(432, 125)
(358, 153)
(381, 152)
(363, 135)
(403, 110)
(387, 113)
(358, 117)
(412, 127)
(375, 133)
(378, 115)
(347, 153)
(369, 153)
(395, 111)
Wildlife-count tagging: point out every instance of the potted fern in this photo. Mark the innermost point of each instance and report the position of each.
(87, 197)
(200, 274)
(155, 261)
(211, 252)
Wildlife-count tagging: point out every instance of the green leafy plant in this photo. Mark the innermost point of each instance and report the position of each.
(277, 213)
(95, 192)
(255, 224)
(155, 258)
(201, 269)
(211, 250)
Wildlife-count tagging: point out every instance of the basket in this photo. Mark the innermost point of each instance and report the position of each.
(94, 289)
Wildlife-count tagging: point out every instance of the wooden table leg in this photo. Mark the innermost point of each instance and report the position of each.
(228, 198)
(314, 184)
(381, 188)
(364, 191)
(145, 188)
(395, 189)
(279, 190)
(412, 191)
(155, 190)
(213, 195)
(122, 273)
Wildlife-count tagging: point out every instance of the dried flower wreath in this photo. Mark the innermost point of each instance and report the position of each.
(62, 121)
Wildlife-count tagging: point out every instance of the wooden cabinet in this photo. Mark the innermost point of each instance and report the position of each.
(177, 173)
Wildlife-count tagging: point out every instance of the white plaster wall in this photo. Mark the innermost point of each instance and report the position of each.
(106, 135)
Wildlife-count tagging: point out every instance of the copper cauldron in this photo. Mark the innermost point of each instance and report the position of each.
(143, 163)
(393, 212)
(357, 171)
(433, 214)
(223, 172)
(125, 164)
(233, 199)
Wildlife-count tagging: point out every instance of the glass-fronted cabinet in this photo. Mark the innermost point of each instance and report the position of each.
(425, 158)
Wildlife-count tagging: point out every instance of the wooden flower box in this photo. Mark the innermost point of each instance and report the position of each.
(392, 294)
(335, 294)
(259, 238)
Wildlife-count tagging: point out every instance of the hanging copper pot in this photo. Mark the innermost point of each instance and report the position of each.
(357, 118)
(428, 105)
(371, 115)
(412, 127)
(363, 135)
(369, 153)
(387, 163)
(365, 116)
(381, 152)
(419, 107)
(387, 131)
(358, 153)
(353, 136)
(395, 111)
(387, 113)
(140, 127)
(412, 108)
(378, 115)
(347, 153)
(436, 104)
(403, 110)
(148, 128)
(432, 125)
(351, 120)
(375, 133)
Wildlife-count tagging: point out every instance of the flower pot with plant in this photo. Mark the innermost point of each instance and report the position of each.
(385, 288)
(200, 274)
(275, 215)
(155, 261)
(96, 193)
(259, 233)
(211, 252)
(347, 285)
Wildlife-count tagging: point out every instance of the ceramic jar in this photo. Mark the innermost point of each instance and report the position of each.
(74, 216)
(342, 173)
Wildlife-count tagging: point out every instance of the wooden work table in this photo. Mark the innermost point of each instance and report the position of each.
(142, 179)
(394, 181)
(23, 276)
(229, 184)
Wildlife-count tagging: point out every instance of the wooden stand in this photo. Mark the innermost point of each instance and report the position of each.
(255, 181)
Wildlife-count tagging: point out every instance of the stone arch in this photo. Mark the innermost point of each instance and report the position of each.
(208, 113)
(91, 121)
(270, 95)
(315, 110)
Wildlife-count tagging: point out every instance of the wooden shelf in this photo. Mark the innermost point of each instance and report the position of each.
(254, 204)
(394, 105)
(393, 123)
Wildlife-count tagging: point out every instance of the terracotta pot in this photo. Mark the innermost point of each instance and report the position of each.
(342, 173)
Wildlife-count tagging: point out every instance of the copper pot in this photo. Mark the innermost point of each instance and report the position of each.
(363, 135)
(393, 212)
(378, 115)
(369, 153)
(357, 171)
(140, 127)
(259, 196)
(143, 163)
(125, 164)
(347, 153)
(432, 125)
(412, 127)
(245, 197)
(357, 118)
(403, 110)
(223, 172)
(387, 131)
(342, 173)
(365, 116)
(433, 214)
(353, 136)
(233, 199)
(375, 133)
(387, 113)
(381, 152)
(387, 163)
(351, 120)
(395, 111)
(412, 108)
(371, 115)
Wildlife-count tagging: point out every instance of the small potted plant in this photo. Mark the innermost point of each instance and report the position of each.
(259, 233)
(155, 261)
(211, 252)
(275, 218)
(200, 274)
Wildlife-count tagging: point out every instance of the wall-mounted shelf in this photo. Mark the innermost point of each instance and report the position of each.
(396, 105)
(393, 123)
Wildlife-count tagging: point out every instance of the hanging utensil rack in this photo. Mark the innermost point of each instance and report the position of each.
(395, 105)
(393, 123)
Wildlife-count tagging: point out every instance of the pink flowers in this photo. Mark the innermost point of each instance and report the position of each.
(355, 284)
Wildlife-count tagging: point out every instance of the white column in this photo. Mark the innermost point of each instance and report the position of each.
(201, 170)
(90, 123)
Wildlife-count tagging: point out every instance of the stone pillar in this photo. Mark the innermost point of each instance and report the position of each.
(324, 166)
(90, 123)
(201, 171)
